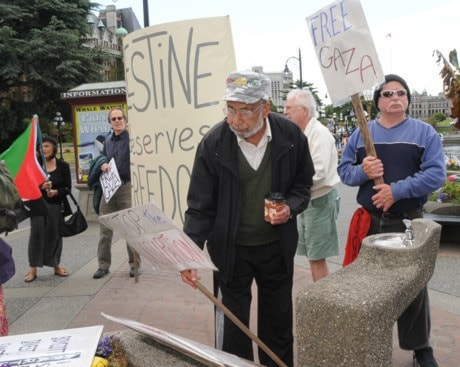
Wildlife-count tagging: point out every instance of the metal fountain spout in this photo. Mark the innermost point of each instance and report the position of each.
(409, 237)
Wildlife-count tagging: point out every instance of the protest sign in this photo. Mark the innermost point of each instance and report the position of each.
(57, 348)
(110, 181)
(175, 77)
(195, 350)
(156, 238)
(345, 50)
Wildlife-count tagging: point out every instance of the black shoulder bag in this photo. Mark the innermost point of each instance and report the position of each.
(75, 224)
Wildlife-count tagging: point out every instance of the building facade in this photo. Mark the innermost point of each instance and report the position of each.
(423, 106)
(106, 31)
(277, 87)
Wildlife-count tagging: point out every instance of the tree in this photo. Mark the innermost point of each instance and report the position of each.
(41, 43)
(436, 118)
(450, 74)
(306, 85)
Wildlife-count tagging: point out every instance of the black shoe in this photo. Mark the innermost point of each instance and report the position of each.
(131, 271)
(100, 273)
(425, 357)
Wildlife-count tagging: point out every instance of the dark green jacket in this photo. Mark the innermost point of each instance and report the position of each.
(93, 180)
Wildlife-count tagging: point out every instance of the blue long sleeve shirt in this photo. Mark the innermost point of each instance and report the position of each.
(413, 163)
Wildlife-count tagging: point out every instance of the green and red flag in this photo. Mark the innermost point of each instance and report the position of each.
(22, 162)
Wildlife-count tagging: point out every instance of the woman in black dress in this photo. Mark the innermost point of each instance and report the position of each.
(45, 244)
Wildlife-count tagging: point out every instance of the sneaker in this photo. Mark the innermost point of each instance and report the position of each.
(425, 357)
(131, 271)
(100, 273)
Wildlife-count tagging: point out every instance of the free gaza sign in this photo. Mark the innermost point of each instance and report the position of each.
(344, 48)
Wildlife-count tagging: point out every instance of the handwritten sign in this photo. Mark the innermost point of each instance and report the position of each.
(175, 75)
(195, 350)
(110, 181)
(60, 348)
(345, 49)
(156, 238)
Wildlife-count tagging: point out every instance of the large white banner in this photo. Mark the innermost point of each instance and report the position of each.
(175, 75)
(345, 50)
(200, 352)
(156, 238)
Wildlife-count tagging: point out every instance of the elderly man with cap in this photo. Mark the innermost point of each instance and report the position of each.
(410, 160)
(249, 154)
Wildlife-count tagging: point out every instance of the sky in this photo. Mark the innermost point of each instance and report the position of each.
(267, 33)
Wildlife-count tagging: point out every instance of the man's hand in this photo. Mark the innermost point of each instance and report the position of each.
(281, 216)
(372, 167)
(105, 167)
(190, 277)
(384, 197)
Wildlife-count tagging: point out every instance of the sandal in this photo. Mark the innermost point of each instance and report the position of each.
(31, 275)
(60, 271)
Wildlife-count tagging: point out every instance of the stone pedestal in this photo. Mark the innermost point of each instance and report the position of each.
(142, 351)
(347, 318)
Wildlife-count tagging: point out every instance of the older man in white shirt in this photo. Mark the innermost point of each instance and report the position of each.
(317, 224)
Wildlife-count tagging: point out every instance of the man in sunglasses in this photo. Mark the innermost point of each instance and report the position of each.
(116, 146)
(410, 160)
(249, 154)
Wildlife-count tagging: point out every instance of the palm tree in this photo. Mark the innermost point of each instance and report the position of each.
(450, 74)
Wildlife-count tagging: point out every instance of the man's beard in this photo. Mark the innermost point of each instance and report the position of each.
(248, 134)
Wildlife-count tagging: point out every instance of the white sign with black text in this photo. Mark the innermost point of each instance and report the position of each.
(57, 348)
(110, 181)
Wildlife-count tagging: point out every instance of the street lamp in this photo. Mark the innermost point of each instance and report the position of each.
(287, 71)
(59, 122)
(352, 119)
(368, 96)
(334, 118)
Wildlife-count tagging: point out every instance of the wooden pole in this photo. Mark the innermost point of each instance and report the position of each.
(362, 123)
(236, 321)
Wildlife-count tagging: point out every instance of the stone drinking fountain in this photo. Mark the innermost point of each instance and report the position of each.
(347, 318)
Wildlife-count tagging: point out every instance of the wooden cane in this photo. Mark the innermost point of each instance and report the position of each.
(362, 123)
(235, 320)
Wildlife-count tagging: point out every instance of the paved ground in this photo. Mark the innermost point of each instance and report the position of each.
(161, 299)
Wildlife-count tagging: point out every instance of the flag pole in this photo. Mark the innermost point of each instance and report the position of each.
(40, 142)
(235, 320)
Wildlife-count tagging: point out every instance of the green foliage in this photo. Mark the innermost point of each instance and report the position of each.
(448, 193)
(306, 85)
(436, 118)
(42, 55)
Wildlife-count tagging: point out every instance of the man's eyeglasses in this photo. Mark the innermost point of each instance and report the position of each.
(244, 112)
(119, 118)
(390, 93)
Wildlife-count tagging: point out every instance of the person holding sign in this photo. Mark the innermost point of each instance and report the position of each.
(117, 147)
(410, 161)
(250, 154)
(317, 226)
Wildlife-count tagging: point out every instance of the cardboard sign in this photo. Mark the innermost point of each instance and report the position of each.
(345, 50)
(175, 75)
(59, 348)
(156, 238)
(200, 352)
(110, 181)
